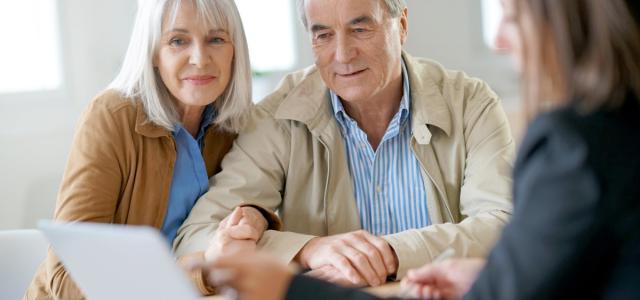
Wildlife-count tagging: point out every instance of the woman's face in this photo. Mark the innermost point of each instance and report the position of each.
(508, 38)
(194, 61)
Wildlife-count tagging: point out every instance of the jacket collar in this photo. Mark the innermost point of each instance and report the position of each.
(309, 102)
(147, 128)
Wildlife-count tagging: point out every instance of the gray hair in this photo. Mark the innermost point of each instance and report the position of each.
(139, 80)
(394, 7)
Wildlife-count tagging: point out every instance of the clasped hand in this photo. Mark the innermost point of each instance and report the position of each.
(238, 232)
(352, 259)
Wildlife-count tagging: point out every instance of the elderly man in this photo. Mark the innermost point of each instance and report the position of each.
(374, 161)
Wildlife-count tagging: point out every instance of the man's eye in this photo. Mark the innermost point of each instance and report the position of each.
(359, 30)
(322, 36)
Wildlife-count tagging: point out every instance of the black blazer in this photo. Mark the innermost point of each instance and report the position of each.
(575, 231)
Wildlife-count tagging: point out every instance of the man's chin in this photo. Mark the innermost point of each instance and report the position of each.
(351, 95)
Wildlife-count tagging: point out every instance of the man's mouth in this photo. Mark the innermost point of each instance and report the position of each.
(352, 74)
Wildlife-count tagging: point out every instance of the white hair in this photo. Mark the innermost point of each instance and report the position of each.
(394, 7)
(139, 80)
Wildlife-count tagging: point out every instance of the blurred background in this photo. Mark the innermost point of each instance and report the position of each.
(56, 55)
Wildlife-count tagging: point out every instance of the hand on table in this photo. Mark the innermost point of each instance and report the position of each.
(450, 279)
(252, 276)
(353, 259)
(238, 232)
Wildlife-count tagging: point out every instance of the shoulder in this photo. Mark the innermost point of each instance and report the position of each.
(301, 79)
(112, 104)
(429, 73)
(557, 136)
(111, 113)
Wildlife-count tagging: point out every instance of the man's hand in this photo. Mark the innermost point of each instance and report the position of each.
(450, 279)
(359, 257)
(238, 232)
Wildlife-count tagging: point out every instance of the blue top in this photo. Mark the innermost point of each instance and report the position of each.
(190, 179)
(388, 185)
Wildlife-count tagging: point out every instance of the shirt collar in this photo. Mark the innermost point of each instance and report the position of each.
(208, 115)
(404, 110)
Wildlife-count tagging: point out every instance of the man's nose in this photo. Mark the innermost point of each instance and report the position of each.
(345, 50)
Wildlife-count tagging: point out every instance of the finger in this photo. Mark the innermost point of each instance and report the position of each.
(243, 232)
(322, 273)
(343, 265)
(253, 214)
(235, 216)
(385, 250)
(425, 274)
(373, 255)
(339, 278)
(224, 223)
(220, 277)
(252, 217)
(361, 263)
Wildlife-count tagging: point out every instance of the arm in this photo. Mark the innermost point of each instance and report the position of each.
(484, 205)
(89, 189)
(259, 277)
(252, 176)
(554, 223)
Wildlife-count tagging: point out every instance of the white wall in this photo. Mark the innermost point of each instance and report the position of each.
(36, 129)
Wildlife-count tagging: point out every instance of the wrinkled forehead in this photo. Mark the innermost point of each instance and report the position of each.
(209, 14)
(341, 12)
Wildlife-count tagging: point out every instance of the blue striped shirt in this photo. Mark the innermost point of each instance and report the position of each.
(389, 191)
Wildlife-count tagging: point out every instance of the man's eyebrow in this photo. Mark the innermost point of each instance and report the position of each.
(361, 20)
(318, 27)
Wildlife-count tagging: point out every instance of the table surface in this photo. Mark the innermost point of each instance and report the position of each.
(386, 290)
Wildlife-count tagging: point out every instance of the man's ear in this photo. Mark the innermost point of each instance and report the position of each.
(404, 25)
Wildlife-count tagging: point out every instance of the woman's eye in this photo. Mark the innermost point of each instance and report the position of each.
(217, 40)
(176, 42)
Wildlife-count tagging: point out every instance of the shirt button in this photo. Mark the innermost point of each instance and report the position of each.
(378, 189)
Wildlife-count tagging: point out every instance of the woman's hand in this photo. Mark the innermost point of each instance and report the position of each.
(450, 279)
(238, 232)
(249, 276)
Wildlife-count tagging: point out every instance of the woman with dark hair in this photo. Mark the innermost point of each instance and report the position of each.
(575, 231)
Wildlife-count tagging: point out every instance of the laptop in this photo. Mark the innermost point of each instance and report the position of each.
(118, 262)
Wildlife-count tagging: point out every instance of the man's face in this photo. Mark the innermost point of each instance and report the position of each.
(357, 46)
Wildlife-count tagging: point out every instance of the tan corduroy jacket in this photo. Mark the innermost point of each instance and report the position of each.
(119, 171)
(291, 160)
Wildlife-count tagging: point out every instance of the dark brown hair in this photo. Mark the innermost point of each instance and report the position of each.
(585, 50)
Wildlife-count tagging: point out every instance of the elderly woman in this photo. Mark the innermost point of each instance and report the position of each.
(575, 232)
(145, 148)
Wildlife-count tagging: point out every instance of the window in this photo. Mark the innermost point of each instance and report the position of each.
(30, 54)
(269, 29)
(491, 14)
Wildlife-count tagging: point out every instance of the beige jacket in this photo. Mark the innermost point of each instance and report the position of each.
(119, 171)
(291, 160)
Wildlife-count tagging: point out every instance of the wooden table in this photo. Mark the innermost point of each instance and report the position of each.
(386, 290)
